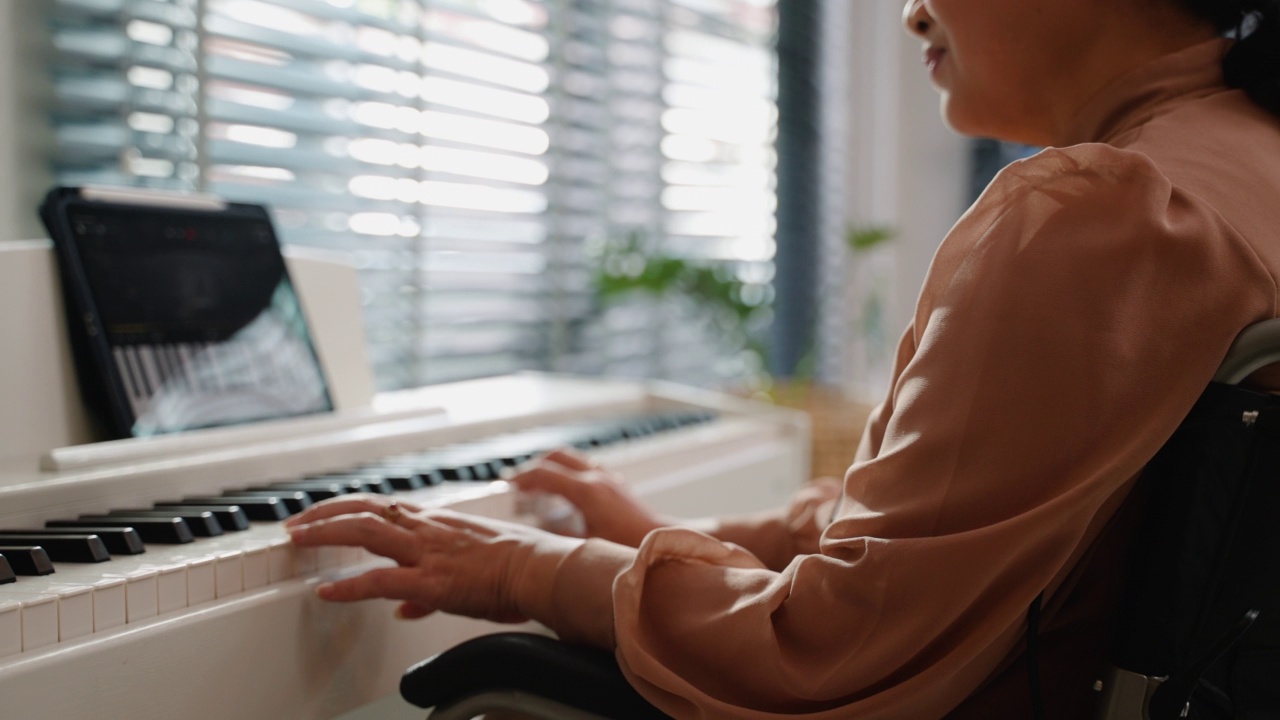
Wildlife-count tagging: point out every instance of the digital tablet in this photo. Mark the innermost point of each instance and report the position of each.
(181, 311)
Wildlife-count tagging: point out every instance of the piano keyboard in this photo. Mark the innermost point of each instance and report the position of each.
(190, 550)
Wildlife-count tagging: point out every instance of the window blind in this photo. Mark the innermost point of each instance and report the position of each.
(466, 154)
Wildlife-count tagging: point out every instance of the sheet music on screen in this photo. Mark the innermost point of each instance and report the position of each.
(202, 322)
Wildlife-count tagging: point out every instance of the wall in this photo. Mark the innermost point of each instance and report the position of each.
(906, 170)
(23, 133)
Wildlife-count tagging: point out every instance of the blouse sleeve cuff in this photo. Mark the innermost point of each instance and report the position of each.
(570, 587)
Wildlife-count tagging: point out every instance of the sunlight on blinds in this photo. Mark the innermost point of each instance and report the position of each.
(387, 114)
(466, 154)
(700, 90)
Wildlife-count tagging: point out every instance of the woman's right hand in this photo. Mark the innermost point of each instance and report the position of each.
(608, 510)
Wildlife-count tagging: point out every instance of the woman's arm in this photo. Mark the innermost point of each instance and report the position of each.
(610, 512)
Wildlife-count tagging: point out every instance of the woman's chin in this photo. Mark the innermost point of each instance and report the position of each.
(956, 118)
(964, 119)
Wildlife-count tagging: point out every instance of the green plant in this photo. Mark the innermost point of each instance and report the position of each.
(861, 238)
(634, 265)
(726, 293)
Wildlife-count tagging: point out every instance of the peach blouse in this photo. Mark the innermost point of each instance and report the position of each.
(1069, 321)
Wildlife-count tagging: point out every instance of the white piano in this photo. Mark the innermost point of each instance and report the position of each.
(228, 626)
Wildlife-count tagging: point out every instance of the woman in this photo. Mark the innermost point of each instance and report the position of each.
(1068, 323)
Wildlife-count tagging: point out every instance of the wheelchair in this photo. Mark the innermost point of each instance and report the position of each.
(1199, 623)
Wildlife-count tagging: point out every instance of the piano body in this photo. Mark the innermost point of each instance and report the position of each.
(228, 625)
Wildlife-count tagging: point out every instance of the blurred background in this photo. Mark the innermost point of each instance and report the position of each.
(737, 194)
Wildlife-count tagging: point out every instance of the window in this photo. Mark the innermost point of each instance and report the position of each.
(467, 154)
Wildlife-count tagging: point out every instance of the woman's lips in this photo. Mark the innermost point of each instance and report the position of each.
(933, 57)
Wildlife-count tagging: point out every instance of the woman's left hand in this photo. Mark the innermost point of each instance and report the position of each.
(461, 564)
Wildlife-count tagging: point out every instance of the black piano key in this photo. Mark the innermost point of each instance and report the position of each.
(257, 507)
(456, 472)
(367, 482)
(316, 490)
(465, 464)
(163, 531)
(118, 540)
(27, 559)
(409, 475)
(294, 501)
(83, 546)
(405, 479)
(230, 516)
(7, 575)
(200, 520)
(349, 483)
(509, 460)
(479, 469)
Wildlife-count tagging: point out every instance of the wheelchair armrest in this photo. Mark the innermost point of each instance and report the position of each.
(580, 677)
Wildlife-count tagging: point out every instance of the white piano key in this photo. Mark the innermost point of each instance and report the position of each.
(75, 612)
(355, 556)
(230, 574)
(141, 594)
(10, 628)
(202, 584)
(307, 560)
(282, 563)
(171, 588)
(39, 619)
(257, 572)
(110, 604)
(329, 557)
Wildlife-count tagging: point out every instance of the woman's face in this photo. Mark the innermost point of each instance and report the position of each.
(1004, 67)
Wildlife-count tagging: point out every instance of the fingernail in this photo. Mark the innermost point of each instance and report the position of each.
(322, 591)
(400, 613)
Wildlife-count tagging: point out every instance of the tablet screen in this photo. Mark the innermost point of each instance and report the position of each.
(201, 322)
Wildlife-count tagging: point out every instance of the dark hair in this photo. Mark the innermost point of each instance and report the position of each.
(1253, 64)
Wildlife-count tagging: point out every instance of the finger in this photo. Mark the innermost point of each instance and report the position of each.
(571, 459)
(398, 583)
(346, 505)
(364, 530)
(414, 611)
(554, 479)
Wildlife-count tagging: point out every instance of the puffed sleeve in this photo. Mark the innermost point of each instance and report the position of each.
(1068, 323)
(775, 537)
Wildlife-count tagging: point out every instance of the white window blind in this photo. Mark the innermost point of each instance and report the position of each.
(467, 154)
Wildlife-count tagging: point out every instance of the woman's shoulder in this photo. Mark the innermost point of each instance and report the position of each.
(1098, 196)
(1085, 168)
(1089, 205)
(1066, 191)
